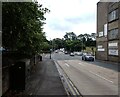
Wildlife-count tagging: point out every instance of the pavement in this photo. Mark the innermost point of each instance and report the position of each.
(45, 80)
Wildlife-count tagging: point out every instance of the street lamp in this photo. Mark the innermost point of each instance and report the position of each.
(82, 44)
(50, 48)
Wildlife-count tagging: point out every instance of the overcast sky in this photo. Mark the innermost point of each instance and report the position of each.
(78, 16)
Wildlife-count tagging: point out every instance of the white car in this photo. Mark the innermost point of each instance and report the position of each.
(79, 53)
(56, 51)
(71, 54)
(88, 57)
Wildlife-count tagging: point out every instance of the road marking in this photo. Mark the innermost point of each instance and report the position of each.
(101, 77)
(67, 65)
(68, 84)
(81, 64)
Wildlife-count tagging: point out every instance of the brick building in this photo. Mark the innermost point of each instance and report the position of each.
(108, 31)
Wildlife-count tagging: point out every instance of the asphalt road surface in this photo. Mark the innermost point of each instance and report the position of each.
(90, 78)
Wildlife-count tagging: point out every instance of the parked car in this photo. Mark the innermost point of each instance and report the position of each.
(87, 57)
(75, 53)
(79, 53)
(56, 51)
(71, 54)
(66, 52)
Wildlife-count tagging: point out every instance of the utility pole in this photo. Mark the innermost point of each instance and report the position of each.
(50, 48)
(82, 44)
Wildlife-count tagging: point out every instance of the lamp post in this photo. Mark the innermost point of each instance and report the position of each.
(50, 48)
(82, 44)
(50, 54)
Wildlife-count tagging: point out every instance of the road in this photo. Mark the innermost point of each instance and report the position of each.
(90, 78)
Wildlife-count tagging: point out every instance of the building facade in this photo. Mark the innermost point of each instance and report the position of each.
(108, 31)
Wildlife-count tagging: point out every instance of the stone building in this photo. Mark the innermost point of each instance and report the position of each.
(108, 31)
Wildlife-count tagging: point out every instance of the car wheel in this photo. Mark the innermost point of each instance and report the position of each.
(92, 59)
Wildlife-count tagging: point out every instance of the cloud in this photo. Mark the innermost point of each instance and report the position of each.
(80, 19)
(78, 16)
(59, 25)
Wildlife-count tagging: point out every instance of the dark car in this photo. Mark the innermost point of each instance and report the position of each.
(87, 57)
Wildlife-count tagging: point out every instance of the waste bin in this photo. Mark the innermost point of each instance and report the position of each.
(40, 57)
(17, 76)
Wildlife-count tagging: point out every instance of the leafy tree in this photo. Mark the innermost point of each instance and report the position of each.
(87, 39)
(57, 43)
(45, 47)
(70, 36)
(71, 42)
(22, 26)
(77, 45)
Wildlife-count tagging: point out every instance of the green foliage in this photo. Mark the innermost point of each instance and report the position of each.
(57, 43)
(87, 40)
(46, 47)
(72, 42)
(70, 36)
(22, 27)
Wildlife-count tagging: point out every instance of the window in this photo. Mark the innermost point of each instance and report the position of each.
(100, 34)
(113, 15)
(113, 34)
(105, 30)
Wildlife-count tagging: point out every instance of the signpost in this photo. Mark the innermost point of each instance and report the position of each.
(50, 53)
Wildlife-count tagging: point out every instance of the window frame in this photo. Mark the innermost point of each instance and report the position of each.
(113, 15)
(110, 31)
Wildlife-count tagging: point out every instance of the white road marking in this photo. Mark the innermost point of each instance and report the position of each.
(101, 77)
(81, 64)
(67, 65)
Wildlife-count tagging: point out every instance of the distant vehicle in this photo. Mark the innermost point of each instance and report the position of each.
(75, 53)
(56, 51)
(71, 54)
(87, 57)
(66, 52)
(78, 53)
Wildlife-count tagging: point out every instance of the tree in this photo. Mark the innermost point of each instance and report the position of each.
(70, 36)
(22, 26)
(87, 39)
(93, 35)
(57, 43)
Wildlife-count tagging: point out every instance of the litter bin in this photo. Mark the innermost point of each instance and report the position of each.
(40, 57)
(17, 76)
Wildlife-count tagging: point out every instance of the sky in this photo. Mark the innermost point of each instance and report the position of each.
(78, 16)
